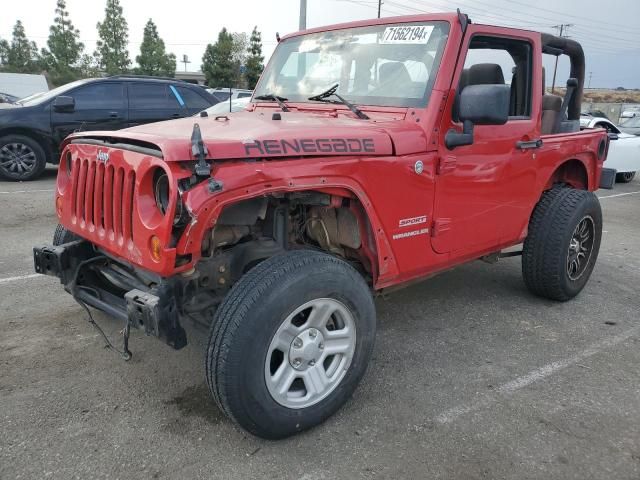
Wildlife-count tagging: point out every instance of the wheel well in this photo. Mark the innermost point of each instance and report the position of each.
(258, 228)
(46, 144)
(572, 172)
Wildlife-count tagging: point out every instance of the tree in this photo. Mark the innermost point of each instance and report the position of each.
(88, 66)
(153, 59)
(254, 65)
(222, 60)
(4, 52)
(21, 55)
(65, 48)
(111, 52)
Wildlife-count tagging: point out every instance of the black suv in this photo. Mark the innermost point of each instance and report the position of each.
(32, 129)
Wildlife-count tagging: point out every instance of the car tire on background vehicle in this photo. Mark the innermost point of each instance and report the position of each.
(304, 316)
(625, 177)
(62, 236)
(21, 158)
(562, 245)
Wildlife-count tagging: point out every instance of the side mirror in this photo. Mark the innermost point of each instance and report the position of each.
(64, 104)
(479, 105)
(613, 136)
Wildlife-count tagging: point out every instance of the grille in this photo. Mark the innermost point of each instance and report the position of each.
(102, 197)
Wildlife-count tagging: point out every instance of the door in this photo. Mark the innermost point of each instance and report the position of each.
(153, 102)
(98, 106)
(484, 190)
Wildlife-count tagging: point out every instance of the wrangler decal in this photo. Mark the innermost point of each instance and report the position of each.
(412, 233)
(309, 145)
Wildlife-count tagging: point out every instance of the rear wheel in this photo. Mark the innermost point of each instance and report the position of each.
(21, 158)
(290, 343)
(625, 177)
(562, 245)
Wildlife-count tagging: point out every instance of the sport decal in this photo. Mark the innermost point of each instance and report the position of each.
(406, 222)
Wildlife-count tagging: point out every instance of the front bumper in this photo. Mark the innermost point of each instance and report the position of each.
(115, 289)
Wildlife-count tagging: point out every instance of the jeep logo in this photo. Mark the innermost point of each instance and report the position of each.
(103, 156)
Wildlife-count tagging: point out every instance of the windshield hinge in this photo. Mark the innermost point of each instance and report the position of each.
(199, 152)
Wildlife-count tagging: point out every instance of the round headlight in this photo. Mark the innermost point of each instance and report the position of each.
(161, 192)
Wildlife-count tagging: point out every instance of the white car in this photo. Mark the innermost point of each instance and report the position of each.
(632, 112)
(624, 153)
(221, 108)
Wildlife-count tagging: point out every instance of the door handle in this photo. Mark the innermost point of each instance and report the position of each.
(177, 115)
(529, 144)
(114, 115)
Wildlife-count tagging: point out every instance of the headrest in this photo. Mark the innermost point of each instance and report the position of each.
(394, 72)
(485, 74)
(551, 102)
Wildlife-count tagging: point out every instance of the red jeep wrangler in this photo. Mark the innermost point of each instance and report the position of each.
(373, 154)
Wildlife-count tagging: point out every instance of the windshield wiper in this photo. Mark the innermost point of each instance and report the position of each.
(331, 92)
(274, 98)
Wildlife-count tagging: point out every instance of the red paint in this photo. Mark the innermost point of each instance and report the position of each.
(477, 199)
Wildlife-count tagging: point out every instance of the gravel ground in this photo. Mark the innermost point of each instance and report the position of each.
(472, 378)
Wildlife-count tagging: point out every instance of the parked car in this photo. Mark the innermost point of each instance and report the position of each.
(22, 84)
(32, 129)
(223, 94)
(631, 126)
(624, 152)
(228, 107)
(275, 227)
(631, 112)
(7, 98)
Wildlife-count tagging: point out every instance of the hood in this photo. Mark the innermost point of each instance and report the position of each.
(260, 134)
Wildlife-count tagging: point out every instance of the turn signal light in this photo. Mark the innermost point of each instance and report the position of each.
(156, 248)
(59, 206)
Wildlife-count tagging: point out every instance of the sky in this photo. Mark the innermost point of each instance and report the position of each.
(608, 31)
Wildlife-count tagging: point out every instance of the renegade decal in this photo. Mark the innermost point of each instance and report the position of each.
(412, 233)
(406, 222)
(308, 145)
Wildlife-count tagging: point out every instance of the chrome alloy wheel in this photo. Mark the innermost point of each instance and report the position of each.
(580, 248)
(310, 353)
(17, 158)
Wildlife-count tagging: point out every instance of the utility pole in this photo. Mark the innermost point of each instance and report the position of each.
(379, 7)
(185, 60)
(562, 28)
(589, 84)
(303, 15)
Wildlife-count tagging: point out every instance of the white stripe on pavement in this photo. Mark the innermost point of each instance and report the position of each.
(619, 195)
(26, 191)
(541, 373)
(20, 277)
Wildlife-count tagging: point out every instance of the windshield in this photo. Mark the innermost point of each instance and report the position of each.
(38, 98)
(386, 65)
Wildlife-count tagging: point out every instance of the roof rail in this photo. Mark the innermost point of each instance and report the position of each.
(147, 77)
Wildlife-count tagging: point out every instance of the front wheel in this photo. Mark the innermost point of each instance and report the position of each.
(21, 158)
(562, 245)
(290, 343)
(625, 177)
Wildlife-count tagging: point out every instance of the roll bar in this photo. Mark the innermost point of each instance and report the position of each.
(554, 45)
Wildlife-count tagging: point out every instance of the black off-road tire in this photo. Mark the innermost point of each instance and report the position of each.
(625, 177)
(21, 143)
(247, 321)
(545, 256)
(62, 236)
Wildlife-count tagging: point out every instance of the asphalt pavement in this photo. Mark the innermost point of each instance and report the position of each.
(472, 378)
